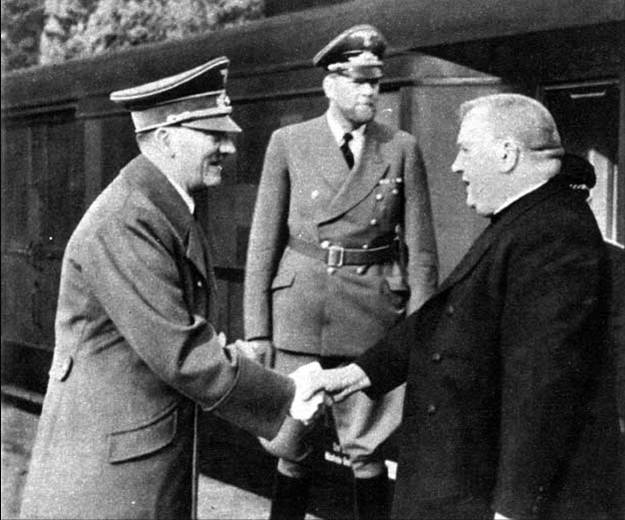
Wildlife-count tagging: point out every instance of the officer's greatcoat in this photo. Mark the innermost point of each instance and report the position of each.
(134, 350)
(307, 192)
(510, 402)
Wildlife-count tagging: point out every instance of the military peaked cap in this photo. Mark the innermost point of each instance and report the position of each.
(195, 98)
(356, 52)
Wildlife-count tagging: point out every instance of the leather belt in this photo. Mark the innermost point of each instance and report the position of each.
(337, 256)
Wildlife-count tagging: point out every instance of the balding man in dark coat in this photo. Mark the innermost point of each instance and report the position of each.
(510, 406)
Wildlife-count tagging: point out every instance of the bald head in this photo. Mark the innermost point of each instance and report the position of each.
(507, 144)
(518, 118)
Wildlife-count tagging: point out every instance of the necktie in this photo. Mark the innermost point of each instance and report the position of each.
(347, 153)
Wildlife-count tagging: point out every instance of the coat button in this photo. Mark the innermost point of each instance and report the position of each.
(373, 222)
(325, 244)
(365, 246)
(450, 310)
(379, 196)
(199, 283)
(331, 270)
(436, 357)
(431, 409)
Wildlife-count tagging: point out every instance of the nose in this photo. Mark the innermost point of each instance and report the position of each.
(456, 167)
(367, 88)
(226, 146)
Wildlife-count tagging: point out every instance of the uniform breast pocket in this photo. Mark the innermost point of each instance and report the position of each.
(389, 197)
(283, 280)
(145, 439)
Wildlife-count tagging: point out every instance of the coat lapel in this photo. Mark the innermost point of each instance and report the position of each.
(471, 258)
(363, 178)
(498, 227)
(159, 190)
(196, 249)
(324, 156)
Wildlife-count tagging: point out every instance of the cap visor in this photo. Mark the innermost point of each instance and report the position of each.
(364, 72)
(214, 124)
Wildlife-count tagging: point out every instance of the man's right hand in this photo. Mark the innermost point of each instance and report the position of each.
(259, 350)
(309, 400)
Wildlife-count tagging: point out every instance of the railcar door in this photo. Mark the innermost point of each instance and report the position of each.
(42, 201)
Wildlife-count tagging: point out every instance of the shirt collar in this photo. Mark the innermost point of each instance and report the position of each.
(188, 200)
(338, 131)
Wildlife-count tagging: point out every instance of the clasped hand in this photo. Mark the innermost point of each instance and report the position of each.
(315, 388)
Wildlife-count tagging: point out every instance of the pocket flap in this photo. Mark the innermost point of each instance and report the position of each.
(143, 440)
(283, 279)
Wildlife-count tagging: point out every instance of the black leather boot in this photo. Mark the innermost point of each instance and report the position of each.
(371, 498)
(290, 498)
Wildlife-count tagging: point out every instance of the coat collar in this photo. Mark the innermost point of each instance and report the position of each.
(362, 179)
(499, 225)
(324, 156)
(159, 190)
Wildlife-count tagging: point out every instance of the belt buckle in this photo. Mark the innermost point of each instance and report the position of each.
(336, 255)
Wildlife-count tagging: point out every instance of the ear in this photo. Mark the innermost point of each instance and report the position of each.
(163, 139)
(328, 86)
(510, 153)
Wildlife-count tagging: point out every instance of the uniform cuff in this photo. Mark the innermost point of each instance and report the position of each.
(259, 400)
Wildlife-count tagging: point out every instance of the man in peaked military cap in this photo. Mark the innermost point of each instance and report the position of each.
(135, 346)
(325, 276)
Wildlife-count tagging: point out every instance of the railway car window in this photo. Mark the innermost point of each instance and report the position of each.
(588, 118)
(259, 119)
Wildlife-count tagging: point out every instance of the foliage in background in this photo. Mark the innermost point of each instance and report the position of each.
(21, 23)
(80, 28)
(68, 29)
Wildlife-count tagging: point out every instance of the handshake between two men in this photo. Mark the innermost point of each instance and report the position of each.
(315, 388)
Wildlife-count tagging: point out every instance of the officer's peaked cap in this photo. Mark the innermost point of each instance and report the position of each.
(356, 52)
(195, 98)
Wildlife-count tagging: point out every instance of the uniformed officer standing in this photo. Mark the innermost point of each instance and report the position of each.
(326, 275)
(135, 345)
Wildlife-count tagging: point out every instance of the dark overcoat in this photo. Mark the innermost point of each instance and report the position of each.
(508, 384)
(617, 322)
(134, 351)
(308, 192)
(617, 336)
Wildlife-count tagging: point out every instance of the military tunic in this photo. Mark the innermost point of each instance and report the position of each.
(308, 193)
